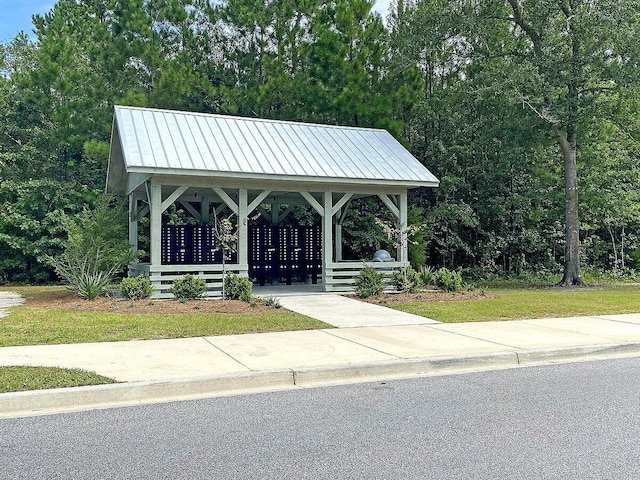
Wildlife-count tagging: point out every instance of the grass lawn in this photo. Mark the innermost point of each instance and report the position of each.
(18, 379)
(524, 303)
(52, 316)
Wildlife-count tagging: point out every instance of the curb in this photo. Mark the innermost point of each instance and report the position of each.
(45, 402)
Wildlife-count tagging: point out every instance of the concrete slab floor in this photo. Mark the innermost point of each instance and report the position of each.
(416, 341)
(345, 312)
(132, 361)
(274, 351)
(522, 335)
(613, 330)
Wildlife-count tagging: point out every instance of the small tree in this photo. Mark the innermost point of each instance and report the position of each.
(401, 238)
(96, 249)
(226, 241)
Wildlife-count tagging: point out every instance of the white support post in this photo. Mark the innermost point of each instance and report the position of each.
(205, 210)
(275, 214)
(133, 223)
(155, 225)
(327, 237)
(243, 227)
(403, 251)
(338, 237)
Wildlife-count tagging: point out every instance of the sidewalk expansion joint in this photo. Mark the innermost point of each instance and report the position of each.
(362, 345)
(225, 353)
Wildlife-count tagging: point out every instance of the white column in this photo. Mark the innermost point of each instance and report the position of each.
(133, 223)
(403, 251)
(205, 210)
(327, 237)
(155, 225)
(338, 241)
(243, 228)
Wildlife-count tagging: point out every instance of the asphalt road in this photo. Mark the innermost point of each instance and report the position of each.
(572, 421)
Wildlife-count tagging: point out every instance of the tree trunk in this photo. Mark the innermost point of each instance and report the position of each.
(572, 272)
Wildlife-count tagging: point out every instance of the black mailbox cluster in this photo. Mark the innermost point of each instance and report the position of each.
(284, 252)
(190, 245)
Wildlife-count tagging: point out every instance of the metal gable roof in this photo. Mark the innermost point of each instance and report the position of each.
(147, 140)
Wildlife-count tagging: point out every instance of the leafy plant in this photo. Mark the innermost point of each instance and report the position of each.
(448, 280)
(96, 249)
(226, 241)
(406, 279)
(272, 302)
(427, 275)
(188, 287)
(136, 288)
(369, 282)
(237, 288)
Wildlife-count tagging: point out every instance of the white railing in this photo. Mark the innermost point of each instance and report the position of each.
(340, 276)
(163, 276)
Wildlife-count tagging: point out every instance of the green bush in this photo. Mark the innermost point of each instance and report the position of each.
(96, 248)
(369, 282)
(188, 287)
(406, 279)
(237, 287)
(427, 275)
(448, 280)
(136, 288)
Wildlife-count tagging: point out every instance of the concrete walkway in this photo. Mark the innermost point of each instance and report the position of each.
(345, 312)
(8, 300)
(165, 370)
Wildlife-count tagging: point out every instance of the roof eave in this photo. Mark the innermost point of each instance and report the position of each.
(413, 183)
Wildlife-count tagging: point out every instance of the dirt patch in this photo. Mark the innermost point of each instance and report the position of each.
(68, 300)
(426, 296)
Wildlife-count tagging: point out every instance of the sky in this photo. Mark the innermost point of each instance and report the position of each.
(15, 15)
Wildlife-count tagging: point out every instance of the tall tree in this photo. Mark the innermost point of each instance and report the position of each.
(567, 55)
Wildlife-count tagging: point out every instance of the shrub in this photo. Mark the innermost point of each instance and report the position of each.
(448, 280)
(188, 287)
(85, 274)
(237, 287)
(406, 279)
(427, 275)
(369, 282)
(96, 248)
(136, 288)
(272, 302)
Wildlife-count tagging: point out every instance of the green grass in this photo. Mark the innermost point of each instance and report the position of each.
(18, 379)
(36, 326)
(523, 303)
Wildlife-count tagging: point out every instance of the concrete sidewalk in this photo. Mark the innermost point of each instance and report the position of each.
(166, 370)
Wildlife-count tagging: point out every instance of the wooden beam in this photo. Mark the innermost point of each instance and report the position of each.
(192, 211)
(258, 200)
(390, 204)
(344, 212)
(284, 214)
(315, 204)
(155, 227)
(174, 196)
(345, 198)
(327, 237)
(243, 227)
(227, 199)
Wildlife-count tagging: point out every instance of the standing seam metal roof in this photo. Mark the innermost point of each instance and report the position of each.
(163, 139)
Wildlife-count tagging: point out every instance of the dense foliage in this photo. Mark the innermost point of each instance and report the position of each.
(516, 106)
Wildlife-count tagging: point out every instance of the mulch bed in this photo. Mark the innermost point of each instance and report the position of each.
(426, 296)
(68, 300)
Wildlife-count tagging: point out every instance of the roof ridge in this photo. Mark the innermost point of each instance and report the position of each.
(250, 119)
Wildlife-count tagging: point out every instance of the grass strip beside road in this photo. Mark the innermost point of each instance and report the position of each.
(19, 379)
(528, 303)
(37, 326)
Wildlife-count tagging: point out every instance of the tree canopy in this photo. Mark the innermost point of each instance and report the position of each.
(516, 106)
